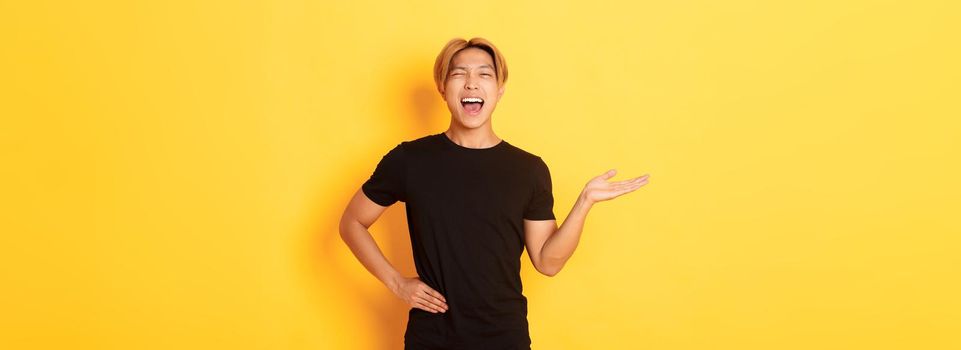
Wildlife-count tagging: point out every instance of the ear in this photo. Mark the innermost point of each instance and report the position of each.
(442, 95)
(500, 92)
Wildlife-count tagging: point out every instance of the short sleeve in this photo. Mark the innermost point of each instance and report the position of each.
(541, 205)
(387, 184)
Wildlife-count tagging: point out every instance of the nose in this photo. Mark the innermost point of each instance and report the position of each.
(471, 83)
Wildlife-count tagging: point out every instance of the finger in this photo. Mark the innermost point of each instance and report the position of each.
(436, 302)
(426, 305)
(637, 184)
(626, 186)
(639, 178)
(631, 188)
(631, 181)
(437, 295)
(609, 174)
(623, 190)
(429, 300)
(438, 299)
(625, 182)
(423, 306)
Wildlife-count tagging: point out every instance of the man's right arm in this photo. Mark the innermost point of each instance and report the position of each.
(361, 212)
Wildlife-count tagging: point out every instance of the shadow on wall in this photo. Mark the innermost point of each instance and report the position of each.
(388, 314)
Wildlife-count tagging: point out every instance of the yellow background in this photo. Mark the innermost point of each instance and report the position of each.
(173, 172)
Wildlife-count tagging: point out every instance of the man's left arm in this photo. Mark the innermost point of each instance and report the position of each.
(548, 246)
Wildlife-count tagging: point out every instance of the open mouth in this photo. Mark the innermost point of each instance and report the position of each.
(472, 104)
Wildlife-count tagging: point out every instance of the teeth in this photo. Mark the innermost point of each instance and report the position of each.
(471, 100)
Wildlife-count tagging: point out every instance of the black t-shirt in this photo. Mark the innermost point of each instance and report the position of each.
(465, 211)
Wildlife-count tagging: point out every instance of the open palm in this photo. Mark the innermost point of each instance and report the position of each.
(598, 189)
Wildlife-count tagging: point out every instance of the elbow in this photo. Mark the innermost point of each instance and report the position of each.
(350, 226)
(549, 271)
(342, 226)
(345, 226)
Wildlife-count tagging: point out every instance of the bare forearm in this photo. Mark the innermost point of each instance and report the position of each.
(561, 245)
(364, 247)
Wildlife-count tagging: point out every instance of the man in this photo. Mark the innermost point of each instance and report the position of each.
(474, 202)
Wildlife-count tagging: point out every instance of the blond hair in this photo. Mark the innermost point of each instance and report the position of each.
(442, 63)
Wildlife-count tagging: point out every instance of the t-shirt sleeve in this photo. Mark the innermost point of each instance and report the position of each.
(387, 184)
(541, 205)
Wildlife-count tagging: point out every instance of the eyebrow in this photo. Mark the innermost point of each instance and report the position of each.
(478, 67)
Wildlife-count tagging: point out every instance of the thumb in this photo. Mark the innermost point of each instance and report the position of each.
(609, 174)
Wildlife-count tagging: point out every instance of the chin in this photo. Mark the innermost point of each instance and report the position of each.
(470, 122)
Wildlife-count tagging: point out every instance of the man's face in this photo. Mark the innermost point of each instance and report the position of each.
(471, 91)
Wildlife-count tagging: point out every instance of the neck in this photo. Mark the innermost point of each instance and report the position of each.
(472, 138)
